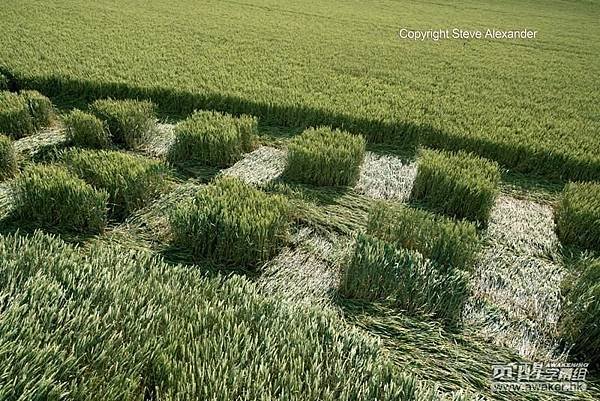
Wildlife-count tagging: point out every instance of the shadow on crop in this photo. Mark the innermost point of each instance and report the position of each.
(399, 134)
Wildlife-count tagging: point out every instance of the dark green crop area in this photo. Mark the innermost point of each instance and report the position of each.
(529, 104)
(115, 325)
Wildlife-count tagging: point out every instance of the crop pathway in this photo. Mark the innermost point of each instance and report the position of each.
(306, 272)
(47, 139)
(160, 142)
(386, 177)
(381, 176)
(261, 166)
(516, 283)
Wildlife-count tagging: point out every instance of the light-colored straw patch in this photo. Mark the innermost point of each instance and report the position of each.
(386, 177)
(160, 141)
(6, 197)
(260, 166)
(524, 227)
(516, 298)
(34, 144)
(307, 272)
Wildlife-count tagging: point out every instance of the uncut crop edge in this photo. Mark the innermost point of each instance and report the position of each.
(400, 134)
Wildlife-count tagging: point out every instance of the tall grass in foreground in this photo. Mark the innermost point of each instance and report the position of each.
(120, 325)
(232, 223)
(580, 323)
(213, 138)
(130, 122)
(86, 130)
(50, 197)
(130, 180)
(459, 184)
(322, 156)
(578, 215)
(411, 283)
(448, 242)
(8, 158)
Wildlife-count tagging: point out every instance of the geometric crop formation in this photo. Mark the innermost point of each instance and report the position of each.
(309, 200)
(578, 215)
(213, 138)
(129, 122)
(232, 223)
(86, 130)
(325, 157)
(460, 185)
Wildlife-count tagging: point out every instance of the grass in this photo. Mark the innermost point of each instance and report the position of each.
(231, 223)
(578, 215)
(379, 271)
(23, 113)
(213, 139)
(458, 184)
(450, 243)
(8, 158)
(320, 70)
(85, 130)
(457, 360)
(15, 119)
(580, 323)
(40, 108)
(122, 324)
(130, 122)
(130, 180)
(326, 157)
(4, 82)
(50, 197)
(113, 304)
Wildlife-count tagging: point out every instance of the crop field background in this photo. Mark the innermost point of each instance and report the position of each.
(264, 200)
(529, 104)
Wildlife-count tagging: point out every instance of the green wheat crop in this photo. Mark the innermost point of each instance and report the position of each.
(459, 184)
(40, 108)
(580, 323)
(232, 223)
(86, 130)
(130, 180)
(50, 197)
(15, 119)
(121, 325)
(512, 101)
(8, 158)
(448, 242)
(322, 156)
(578, 215)
(4, 82)
(130, 122)
(213, 139)
(413, 284)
